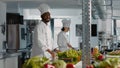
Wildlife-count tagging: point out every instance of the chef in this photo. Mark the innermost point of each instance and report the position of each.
(62, 40)
(42, 37)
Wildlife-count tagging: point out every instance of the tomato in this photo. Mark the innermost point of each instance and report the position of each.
(45, 65)
(70, 65)
(48, 66)
(100, 57)
(87, 66)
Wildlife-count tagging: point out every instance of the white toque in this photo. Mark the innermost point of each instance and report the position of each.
(66, 23)
(43, 8)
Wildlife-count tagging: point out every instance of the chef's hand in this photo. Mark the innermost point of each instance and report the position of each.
(56, 50)
(52, 53)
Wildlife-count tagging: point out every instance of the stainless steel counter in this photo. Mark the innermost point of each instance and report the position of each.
(4, 55)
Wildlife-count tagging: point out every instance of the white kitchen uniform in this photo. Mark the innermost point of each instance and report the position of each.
(42, 40)
(62, 41)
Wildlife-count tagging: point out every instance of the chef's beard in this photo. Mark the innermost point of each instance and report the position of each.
(47, 20)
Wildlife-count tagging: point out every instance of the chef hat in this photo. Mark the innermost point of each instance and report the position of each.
(66, 23)
(43, 8)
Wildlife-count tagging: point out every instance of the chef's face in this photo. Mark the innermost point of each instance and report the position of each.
(66, 29)
(46, 17)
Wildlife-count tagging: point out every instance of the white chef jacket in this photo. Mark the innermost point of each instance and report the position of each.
(42, 40)
(62, 41)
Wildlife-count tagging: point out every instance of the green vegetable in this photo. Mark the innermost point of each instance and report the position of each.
(35, 62)
(108, 62)
(70, 54)
(59, 64)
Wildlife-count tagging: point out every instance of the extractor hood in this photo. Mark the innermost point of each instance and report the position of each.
(99, 8)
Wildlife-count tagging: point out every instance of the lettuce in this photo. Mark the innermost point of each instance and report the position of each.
(59, 64)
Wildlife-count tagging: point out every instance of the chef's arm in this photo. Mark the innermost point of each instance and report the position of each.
(51, 52)
(70, 46)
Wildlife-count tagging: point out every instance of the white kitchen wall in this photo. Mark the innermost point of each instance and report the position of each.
(65, 12)
(2, 21)
(31, 14)
(55, 13)
(75, 40)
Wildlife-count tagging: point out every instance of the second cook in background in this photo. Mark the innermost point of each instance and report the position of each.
(62, 40)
